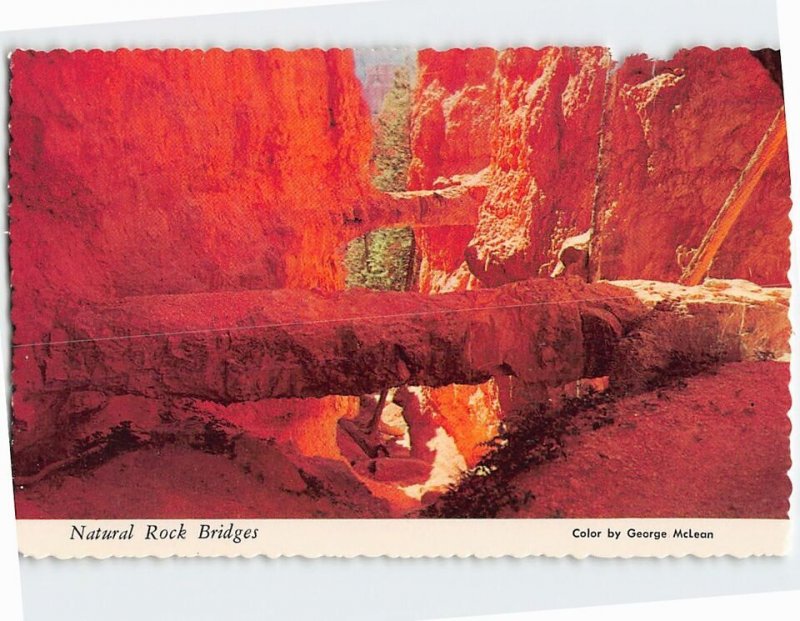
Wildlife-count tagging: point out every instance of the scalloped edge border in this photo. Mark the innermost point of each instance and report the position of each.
(369, 538)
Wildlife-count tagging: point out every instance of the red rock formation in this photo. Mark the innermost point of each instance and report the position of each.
(677, 135)
(470, 414)
(231, 171)
(439, 256)
(551, 113)
(457, 420)
(276, 344)
(452, 114)
(259, 480)
(456, 205)
(243, 171)
(724, 319)
(249, 345)
(307, 424)
(172, 172)
(180, 171)
(545, 141)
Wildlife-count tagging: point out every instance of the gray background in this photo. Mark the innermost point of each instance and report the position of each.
(396, 588)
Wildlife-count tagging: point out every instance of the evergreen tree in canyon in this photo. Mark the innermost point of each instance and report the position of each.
(380, 259)
(392, 145)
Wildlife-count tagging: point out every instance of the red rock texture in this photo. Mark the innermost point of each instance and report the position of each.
(273, 458)
(230, 171)
(750, 319)
(677, 134)
(456, 205)
(545, 142)
(452, 115)
(470, 414)
(263, 371)
(174, 481)
(575, 143)
(309, 425)
(439, 258)
(251, 345)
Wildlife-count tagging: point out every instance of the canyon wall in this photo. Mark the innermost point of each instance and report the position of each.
(153, 172)
(144, 173)
(568, 151)
(545, 146)
(529, 121)
(137, 173)
(676, 137)
(451, 120)
(228, 152)
(578, 147)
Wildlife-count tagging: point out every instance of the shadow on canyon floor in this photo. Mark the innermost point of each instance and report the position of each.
(711, 445)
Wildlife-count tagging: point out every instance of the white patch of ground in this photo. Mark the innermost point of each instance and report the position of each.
(712, 291)
(448, 464)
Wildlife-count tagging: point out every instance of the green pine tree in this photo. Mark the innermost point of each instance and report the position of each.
(380, 259)
(392, 146)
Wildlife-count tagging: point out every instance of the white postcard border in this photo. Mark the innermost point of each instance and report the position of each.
(403, 538)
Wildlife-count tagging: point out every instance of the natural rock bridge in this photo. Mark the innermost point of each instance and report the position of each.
(253, 345)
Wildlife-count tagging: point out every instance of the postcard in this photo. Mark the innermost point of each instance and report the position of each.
(399, 302)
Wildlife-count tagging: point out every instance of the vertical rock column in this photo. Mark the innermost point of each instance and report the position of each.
(542, 176)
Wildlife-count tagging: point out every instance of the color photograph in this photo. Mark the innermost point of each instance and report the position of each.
(398, 283)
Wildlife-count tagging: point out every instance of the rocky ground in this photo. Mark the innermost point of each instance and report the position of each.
(715, 445)
(712, 445)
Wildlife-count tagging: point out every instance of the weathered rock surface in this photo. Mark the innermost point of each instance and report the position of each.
(677, 134)
(230, 171)
(252, 479)
(546, 139)
(260, 344)
(439, 258)
(470, 414)
(452, 115)
(455, 205)
(580, 145)
(255, 345)
(692, 326)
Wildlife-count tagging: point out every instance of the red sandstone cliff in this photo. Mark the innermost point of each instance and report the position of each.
(165, 172)
(676, 137)
(452, 114)
(548, 124)
(545, 145)
(575, 145)
(181, 171)
(534, 118)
